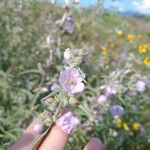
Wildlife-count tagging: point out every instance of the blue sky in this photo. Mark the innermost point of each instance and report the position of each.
(141, 6)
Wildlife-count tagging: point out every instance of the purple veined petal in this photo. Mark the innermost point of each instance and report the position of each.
(74, 72)
(78, 88)
(67, 88)
(117, 110)
(62, 77)
(78, 79)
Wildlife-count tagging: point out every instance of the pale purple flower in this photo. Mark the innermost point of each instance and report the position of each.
(69, 25)
(117, 110)
(102, 99)
(141, 86)
(54, 87)
(110, 90)
(71, 80)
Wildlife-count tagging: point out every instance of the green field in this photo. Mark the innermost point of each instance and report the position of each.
(28, 64)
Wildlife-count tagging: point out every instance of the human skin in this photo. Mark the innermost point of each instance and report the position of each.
(56, 139)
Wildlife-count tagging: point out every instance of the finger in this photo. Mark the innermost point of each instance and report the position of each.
(59, 134)
(94, 144)
(28, 135)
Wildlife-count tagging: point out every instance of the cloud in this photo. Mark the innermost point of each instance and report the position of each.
(142, 7)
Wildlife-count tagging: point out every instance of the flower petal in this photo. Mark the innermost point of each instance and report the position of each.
(78, 88)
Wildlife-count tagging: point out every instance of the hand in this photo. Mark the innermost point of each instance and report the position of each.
(55, 139)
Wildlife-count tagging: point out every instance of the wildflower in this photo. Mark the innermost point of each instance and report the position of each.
(117, 110)
(71, 80)
(141, 86)
(54, 87)
(143, 48)
(67, 54)
(110, 90)
(118, 123)
(69, 25)
(119, 33)
(136, 126)
(131, 37)
(125, 126)
(104, 51)
(147, 61)
(102, 99)
(115, 134)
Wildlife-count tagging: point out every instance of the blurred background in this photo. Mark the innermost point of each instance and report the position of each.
(116, 36)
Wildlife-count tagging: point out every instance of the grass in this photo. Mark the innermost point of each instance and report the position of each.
(21, 50)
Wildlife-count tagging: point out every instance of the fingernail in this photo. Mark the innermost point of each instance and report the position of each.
(67, 122)
(38, 128)
(94, 144)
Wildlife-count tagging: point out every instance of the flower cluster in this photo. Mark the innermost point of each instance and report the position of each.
(73, 57)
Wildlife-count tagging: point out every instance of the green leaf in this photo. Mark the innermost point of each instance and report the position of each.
(32, 71)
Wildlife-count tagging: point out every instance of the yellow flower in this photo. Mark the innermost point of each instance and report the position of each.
(131, 37)
(125, 126)
(118, 123)
(147, 61)
(104, 50)
(119, 33)
(143, 48)
(136, 126)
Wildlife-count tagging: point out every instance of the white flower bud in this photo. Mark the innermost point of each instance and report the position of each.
(48, 40)
(67, 54)
(44, 89)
